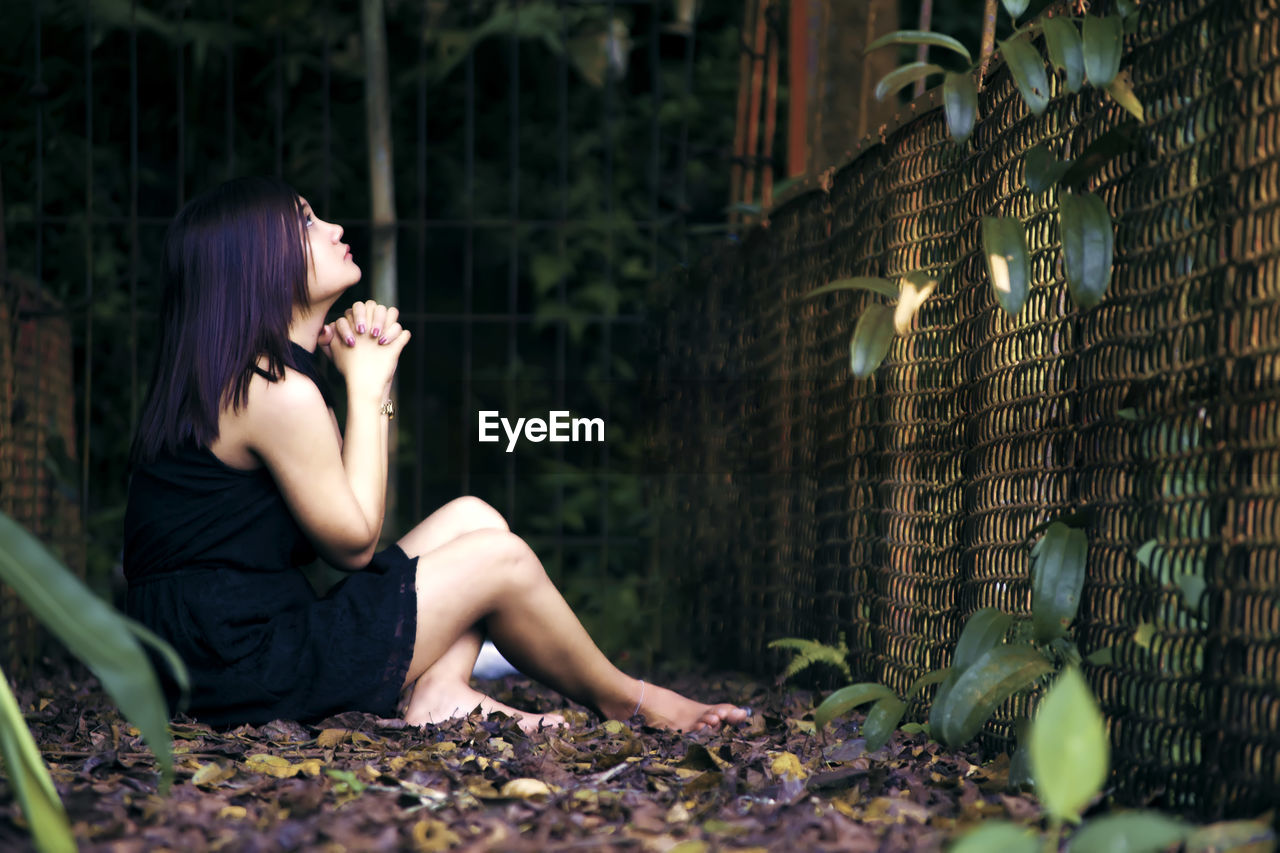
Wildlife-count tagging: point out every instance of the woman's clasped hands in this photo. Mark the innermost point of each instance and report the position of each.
(365, 345)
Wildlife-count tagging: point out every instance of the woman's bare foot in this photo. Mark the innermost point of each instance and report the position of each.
(436, 703)
(669, 710)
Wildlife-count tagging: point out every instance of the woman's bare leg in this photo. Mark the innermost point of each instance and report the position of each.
(492, 576)
(444, 689)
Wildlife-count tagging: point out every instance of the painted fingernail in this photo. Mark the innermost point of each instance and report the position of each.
(360, 329)
(382, 340)
(351, 341)
(376, 332)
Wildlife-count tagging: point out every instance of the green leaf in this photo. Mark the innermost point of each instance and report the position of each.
(1103, 44)
(1027, 69)
(846, 699)
(1128, 414)
(810, 652)
(915, 289)
(1020, 777)
(920, 37)
(1057, 577)
(1004, 243)
(93, 631)
(998, 836)
(30, 778)
(1146, 551)
(863, 282)
(1104, 656)
(1117, 141)
(882, 720)
(991, 679)
(915, 728)
(1041, 170)
(928, 678)
(960, 103)
(1015, 8)
(1129, 832)
(940, 700)
(1088, 244)
(871, 339)
(984, 630)
(904, 76)
(1121, 91)
(1069, 747)
(1193, 586)
(1127, 7)
(1065, 52)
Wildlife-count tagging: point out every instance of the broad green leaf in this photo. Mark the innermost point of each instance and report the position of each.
(846, 699)
(871, 339)
(915, 728)
(940, 699)
(998, 836)
(1041, 170)
(1065, 51)
(960, 103)
(1004, 244)
(1129, 832)
(921, 37)
(1121, 91)
(1069, 747)
(30, 779)
(992, 679)
(93, 631)
(1027, 69)
(1088, 243)
(916, 287)
(983, 631)
(1020, 777)
(1103, 44)
(1057, 577)
(938, 675)
(863, 282)
(1117, 141)
(1015, 8)
(1127, 7)
(882, 720)
(904, 76)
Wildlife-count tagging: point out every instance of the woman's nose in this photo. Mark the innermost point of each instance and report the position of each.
(337, 233)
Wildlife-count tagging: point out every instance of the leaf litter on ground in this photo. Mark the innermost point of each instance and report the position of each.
(358, 782)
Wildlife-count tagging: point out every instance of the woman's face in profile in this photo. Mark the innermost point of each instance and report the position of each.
(332, 269)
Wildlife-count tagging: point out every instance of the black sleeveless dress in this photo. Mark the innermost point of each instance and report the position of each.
(212, 558)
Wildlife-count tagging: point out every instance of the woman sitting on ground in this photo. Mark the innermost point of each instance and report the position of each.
(241, 475)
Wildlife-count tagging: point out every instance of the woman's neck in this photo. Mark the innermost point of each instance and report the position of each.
(304, 330)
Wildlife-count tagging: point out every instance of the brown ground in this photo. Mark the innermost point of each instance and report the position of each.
(356, 782)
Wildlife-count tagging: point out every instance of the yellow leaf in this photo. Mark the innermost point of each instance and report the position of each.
(433, 836)
(482, 788)
(237, 812)
(310, 766)
(614, 727)
(330, 738)
(271, 765)
(691, 846)
(212, 773)
(1144, 634)
(785, 764)
(372, 772)
(525, 789)
(444, 746)
(678, 814)
(804, 726)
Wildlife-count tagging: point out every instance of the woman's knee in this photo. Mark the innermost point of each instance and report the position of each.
(504, 559)
(469, 513)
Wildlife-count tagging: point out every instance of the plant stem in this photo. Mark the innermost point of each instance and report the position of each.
(988, 39)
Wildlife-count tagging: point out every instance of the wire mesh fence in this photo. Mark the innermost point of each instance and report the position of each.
(892, 508)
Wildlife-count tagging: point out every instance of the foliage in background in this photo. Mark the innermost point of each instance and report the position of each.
(109, 644)
(573, 216)
(1083, 49)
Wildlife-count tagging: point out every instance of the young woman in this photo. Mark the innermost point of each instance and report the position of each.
(241, 475)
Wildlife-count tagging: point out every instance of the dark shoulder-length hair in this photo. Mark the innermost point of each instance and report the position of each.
(234, 266)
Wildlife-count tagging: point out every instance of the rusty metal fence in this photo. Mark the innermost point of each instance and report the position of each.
(888, 510)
